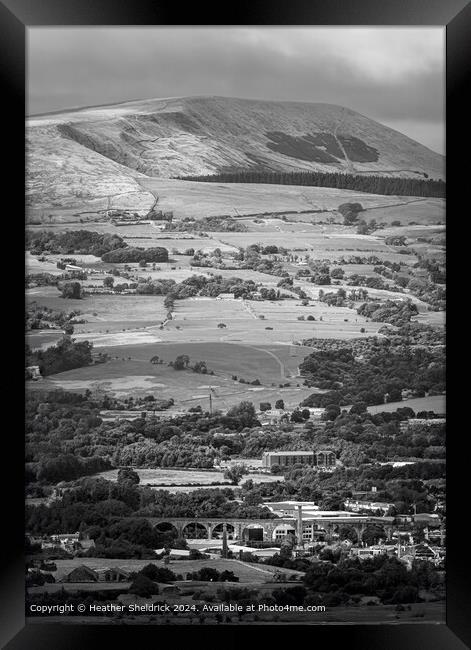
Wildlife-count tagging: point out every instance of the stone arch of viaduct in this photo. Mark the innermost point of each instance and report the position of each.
(238, 526)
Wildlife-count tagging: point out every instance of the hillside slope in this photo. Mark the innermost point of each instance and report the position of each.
(96, 156)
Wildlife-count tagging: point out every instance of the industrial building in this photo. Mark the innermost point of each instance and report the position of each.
(320, 459)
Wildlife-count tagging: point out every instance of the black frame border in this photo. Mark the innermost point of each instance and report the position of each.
(15, 17)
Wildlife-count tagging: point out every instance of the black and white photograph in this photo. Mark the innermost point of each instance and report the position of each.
(235, 325)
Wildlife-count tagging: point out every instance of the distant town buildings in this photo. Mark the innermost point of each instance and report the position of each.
(415, 422)
(69, 542)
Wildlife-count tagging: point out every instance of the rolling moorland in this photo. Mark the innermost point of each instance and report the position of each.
(166, 317)
(100, 158)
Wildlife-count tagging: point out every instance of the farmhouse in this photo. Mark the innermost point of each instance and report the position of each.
(316, 413)
(272, 416)
(33, 372)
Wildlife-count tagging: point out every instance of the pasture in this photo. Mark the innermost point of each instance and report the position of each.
(124, 377)
(246, 572)
(42, 339)
(436, 403)
(111, 319)
(262, 322)
(167, 479)
(418, 210)
(267, 363)
(194, 199)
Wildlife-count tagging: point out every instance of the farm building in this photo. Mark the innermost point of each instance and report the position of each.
(316, 413)
(113, 574)
(81, 573)
(170, 590)
(33, 372)
(272, 416)
(179, 553)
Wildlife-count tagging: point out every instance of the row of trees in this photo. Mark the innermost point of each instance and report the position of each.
(369, 183)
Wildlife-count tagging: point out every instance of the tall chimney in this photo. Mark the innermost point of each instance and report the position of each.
(300, 527)
(224, 540)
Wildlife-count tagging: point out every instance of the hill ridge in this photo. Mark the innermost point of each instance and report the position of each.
(97, 153)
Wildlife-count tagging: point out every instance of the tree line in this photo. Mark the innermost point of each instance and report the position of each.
(369, 183)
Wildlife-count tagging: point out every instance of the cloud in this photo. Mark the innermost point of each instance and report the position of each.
(389, 74)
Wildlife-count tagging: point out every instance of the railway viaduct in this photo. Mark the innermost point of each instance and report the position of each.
(237, 529)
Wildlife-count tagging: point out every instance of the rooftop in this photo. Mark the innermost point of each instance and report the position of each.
(290, 453)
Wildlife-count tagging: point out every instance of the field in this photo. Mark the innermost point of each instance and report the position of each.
(266, 363)
(198, 320)
(124, 377)
(135, 319)
(171, 479)
(111, 319)
(421, 211)
(247, 573)
(42, 339)
(320, 241)
(193, 199)
(436, 403)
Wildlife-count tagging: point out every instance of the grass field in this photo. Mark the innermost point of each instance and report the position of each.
(173, 477)
(111, 319)
(436, 403)
(422, 211)
(188, 198)
(247, 573)
(42, 339)
(227, 359)
(199, 318)
(124, 377)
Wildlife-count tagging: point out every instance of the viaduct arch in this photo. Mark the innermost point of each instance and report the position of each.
(237, 529)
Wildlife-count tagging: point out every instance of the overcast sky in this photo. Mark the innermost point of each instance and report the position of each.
(393, 75)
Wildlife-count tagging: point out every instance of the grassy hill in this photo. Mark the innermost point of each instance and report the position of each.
(95, 158)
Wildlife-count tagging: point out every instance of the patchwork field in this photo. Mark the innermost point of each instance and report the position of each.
(198, 319)
(111, 319)
(235, 337)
